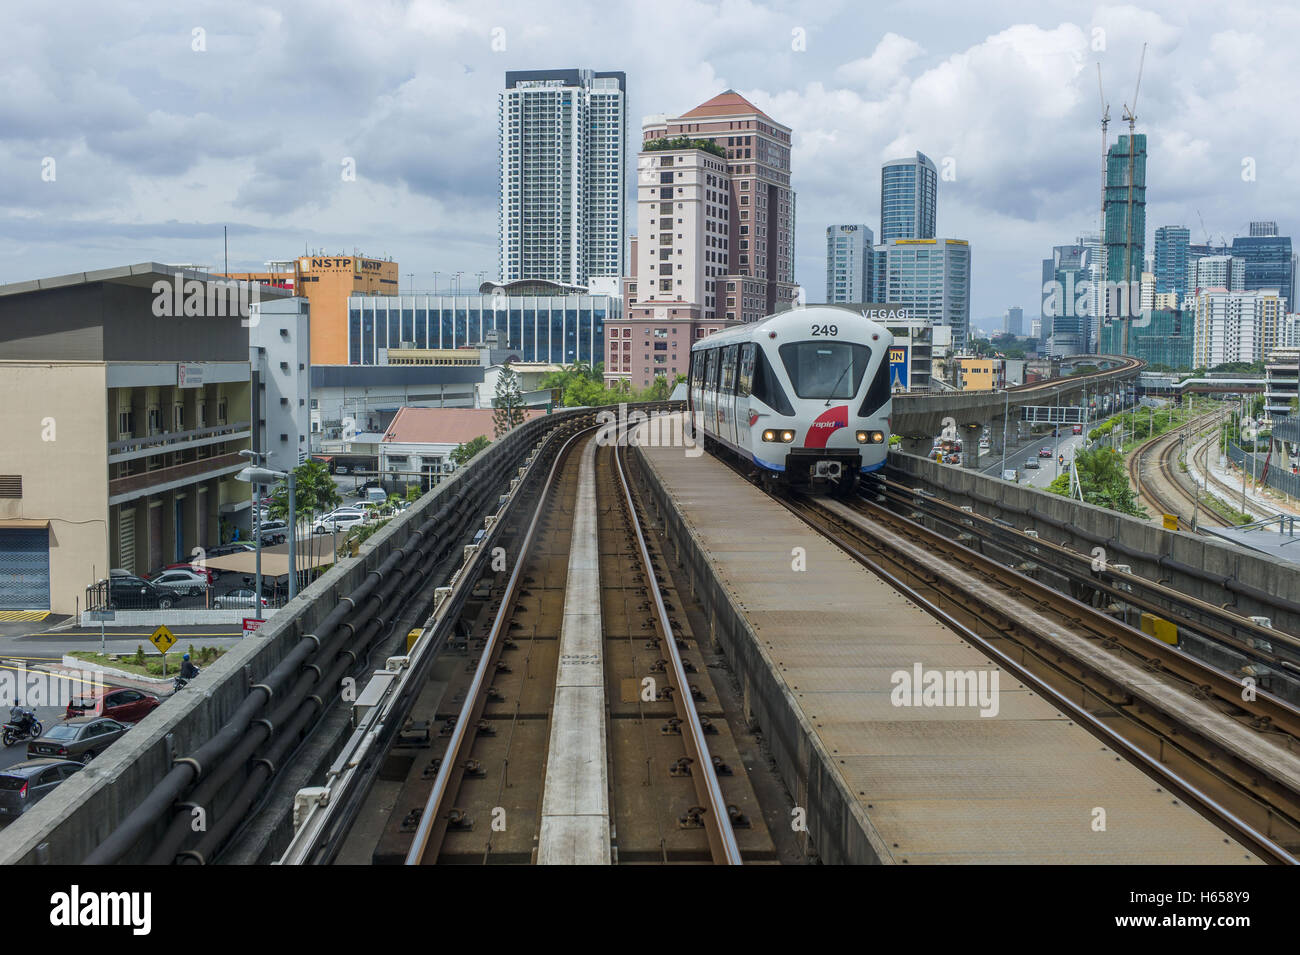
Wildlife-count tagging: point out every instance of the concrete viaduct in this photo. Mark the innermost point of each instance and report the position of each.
(918, 418)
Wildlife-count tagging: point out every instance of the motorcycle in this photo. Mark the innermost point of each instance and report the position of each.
(180, 682)
(22, 725)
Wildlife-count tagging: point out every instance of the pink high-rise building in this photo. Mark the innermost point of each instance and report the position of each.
(715, 235)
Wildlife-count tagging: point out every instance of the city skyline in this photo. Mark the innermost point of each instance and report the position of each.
(1004, 109)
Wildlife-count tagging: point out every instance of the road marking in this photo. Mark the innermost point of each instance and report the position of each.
(56, 675)
(9, 616)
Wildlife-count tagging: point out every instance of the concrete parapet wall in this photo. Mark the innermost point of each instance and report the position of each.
(1152, 551)
(73, 820)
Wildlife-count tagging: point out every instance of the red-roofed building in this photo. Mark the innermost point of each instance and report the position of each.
(418, 443)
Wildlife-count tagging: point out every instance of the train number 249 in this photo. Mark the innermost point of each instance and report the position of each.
(825, 330)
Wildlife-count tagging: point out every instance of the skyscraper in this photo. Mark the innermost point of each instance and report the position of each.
(929, 276)
(562, 175)
(1096, 265)
(848, 263)
(1067, 294)
(1126, 179)
(1172, 245)
(1268, 261)
(1015, 324)
(758, 251)
(1263, 228)
(909, 190)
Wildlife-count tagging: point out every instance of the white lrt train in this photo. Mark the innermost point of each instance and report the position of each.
(804, 395)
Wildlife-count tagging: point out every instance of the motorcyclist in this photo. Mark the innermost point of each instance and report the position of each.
(21, 718)
(188, 670)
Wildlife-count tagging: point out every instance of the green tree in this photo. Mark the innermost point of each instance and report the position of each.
(413, 492)
(314, 492)
(1103, 481)
(508, 402)
(462, 453)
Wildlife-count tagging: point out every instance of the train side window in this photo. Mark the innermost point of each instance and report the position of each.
(729, 369)
(766, 388)
(745, 376)
(711, 370)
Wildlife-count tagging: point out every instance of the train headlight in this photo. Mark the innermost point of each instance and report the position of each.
(871, 437)
(863, 437)
(787, 436)
(778, 437)
(769, 435)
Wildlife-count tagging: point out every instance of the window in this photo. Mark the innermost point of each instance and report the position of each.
(825, 369)
(729, 368)
(745, 374)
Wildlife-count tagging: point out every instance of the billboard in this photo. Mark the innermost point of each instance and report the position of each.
(897, 366)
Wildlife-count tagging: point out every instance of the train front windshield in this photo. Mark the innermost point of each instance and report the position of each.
(825, 369)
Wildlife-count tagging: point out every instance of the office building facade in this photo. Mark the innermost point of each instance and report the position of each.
(1268, 261)
(562, 167)
(1236, 325)
(279, 351)
(909, 191)
(542, 321)
(929, 277)
(1015, 321)
(1172, 244)
(1161, 337)
(849, 249)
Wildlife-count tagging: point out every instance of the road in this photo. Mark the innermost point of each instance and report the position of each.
(1067, 444)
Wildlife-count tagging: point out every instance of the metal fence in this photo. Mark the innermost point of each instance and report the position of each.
(232, 592)
(1279, 475)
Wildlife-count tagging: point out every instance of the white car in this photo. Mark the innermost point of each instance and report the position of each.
(338, 521)
(181, 582)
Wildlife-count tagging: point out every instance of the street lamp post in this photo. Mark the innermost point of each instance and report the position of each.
(258, 476)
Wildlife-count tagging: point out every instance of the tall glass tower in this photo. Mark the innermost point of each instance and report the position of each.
(848, 263)
(562, 175)
(1126, 211)
(909, 190)
(1173, 243)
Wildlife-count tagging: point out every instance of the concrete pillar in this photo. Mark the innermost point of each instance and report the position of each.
(996, 428)
(970, 445)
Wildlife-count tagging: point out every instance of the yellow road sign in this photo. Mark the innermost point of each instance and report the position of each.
(1171, 522)
(163, 639)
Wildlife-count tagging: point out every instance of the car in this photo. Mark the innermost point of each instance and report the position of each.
(136, 593)
(341, 469)
(1033, 464)
(211, 574)
(82, 738)
(24, 784)
(236, 598)
(182, 582)
(1009, 474)
(234, 547)
(124, 705)
(339, 520)
(1044, 452)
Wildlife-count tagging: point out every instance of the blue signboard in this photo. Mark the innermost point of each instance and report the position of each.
(897, 366)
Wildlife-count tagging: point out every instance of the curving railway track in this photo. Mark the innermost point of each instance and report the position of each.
(1156, 477)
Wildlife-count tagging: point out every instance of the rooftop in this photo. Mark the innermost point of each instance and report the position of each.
(443, 425)
(728, 103)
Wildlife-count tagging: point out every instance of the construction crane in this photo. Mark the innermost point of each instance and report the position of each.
(1099, 297)
(1130, 116)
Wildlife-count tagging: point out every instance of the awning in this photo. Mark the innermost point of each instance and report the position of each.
(18, 523)
(313, 552)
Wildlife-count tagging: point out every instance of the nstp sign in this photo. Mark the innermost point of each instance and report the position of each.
(898, 366)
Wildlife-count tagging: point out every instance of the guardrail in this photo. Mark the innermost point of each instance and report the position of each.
(1278, 477)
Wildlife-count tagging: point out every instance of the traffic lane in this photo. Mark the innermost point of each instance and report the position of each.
(52, 645)
(48, 715)
(1049, 468)
(1015, 458)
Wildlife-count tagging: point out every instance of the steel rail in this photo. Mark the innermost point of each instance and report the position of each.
(1243, 831)
(1130, 588)
(717, 821)
(431, 817)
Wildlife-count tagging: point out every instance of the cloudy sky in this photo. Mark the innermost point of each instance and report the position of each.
(135, 130)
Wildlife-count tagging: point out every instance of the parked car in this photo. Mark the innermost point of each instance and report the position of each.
(341, 469)
(211, 574)
(124, 705)
(24, 784)
(1033, 464)
(236, 598)
(182, 582)
(1009, 474)
(234, 547)
(338, 521)
(275, 532)
(82, 738)
(1044, 452)
(136, 593)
